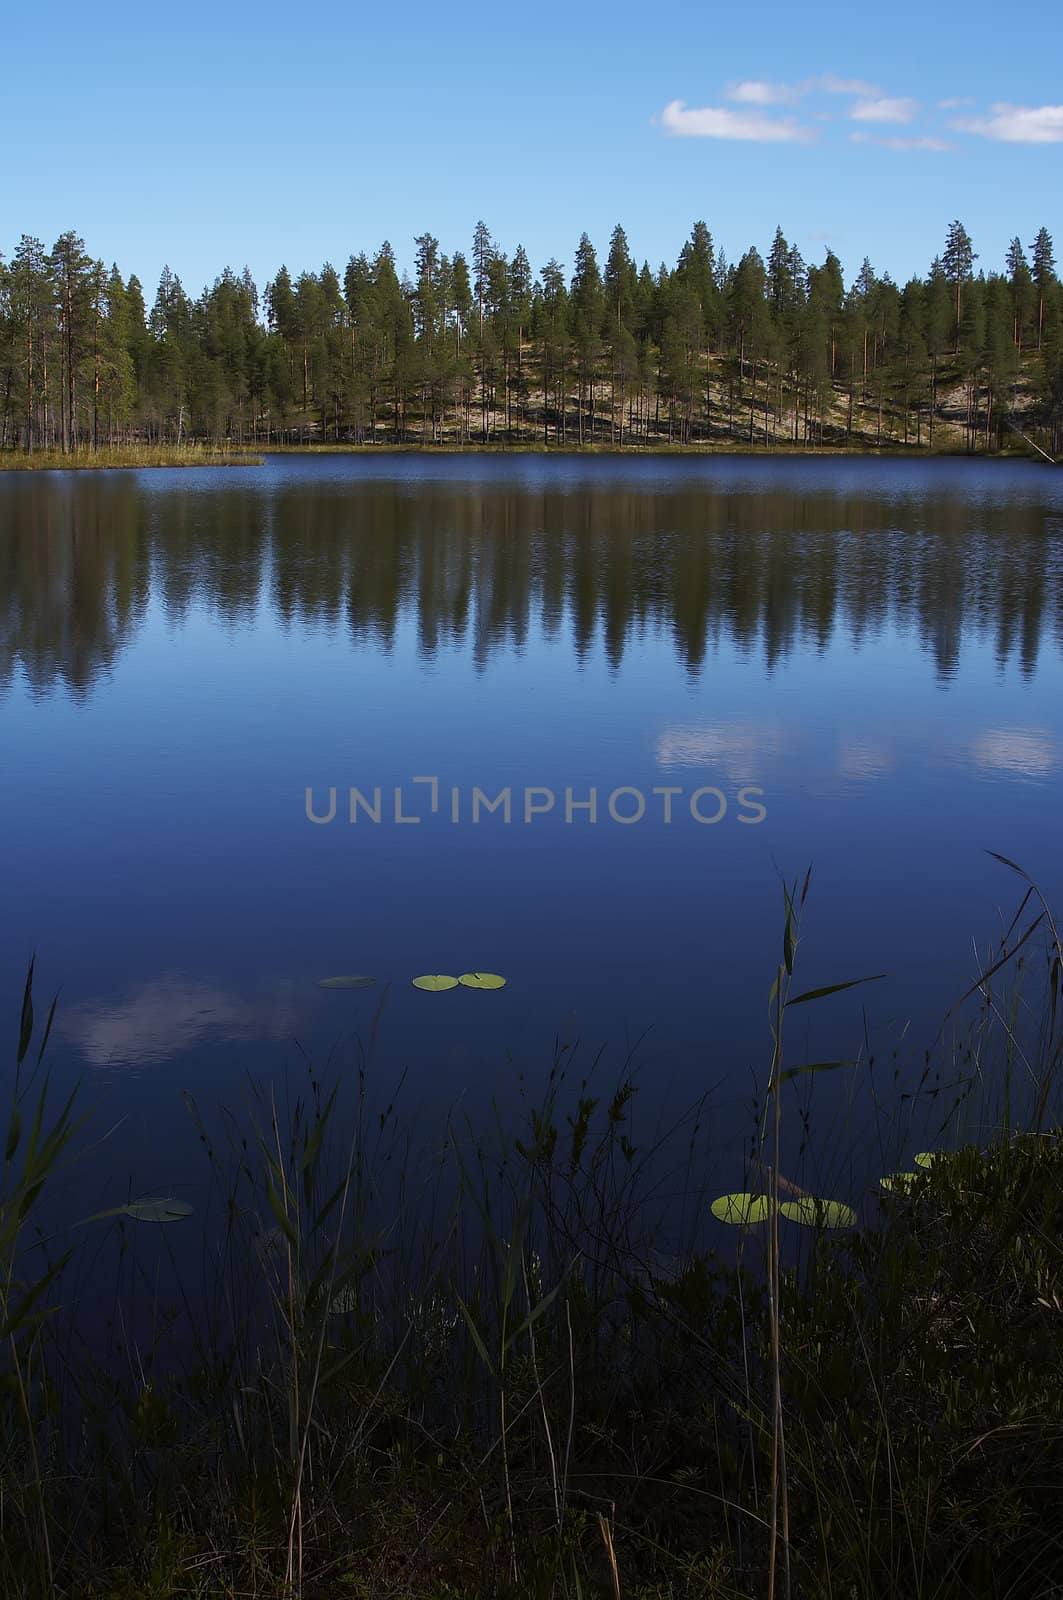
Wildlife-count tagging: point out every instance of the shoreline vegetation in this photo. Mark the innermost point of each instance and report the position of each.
(125, 456)
(771, 352)
(519, 1381)
(136, 457)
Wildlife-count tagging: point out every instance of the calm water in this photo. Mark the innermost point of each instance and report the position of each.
(875, 647)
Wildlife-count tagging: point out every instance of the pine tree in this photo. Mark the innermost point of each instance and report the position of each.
(519, 299)
(915, 357)
(555, 337)
(73, 275)
(619, 277)
(587, 318)
(749, 321)
(778, 273)
(1044, 263)
(1021, 290)
(958, 260)
(31, 289)
(826, 286)
(482, 250)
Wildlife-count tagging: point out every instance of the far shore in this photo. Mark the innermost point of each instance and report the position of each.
(126, 458)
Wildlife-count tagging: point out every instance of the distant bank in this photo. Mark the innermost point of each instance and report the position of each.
(125, 457)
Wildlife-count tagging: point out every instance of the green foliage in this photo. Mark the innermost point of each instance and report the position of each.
(770, 351)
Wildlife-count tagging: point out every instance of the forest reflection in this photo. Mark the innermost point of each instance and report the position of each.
(483, 567)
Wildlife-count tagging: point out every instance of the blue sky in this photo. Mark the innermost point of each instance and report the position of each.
(204, 136)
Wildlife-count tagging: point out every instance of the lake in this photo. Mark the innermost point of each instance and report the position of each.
(752, 664)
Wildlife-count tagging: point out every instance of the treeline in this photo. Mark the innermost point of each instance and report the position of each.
(481, 349)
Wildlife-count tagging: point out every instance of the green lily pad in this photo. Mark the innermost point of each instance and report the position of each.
(157, 1210)
(345, 1302)
(346, 983)
(150, 1209)
(813, 1213)
(268, 1242)
(741, 1209)
(899, 1182)
(435, 982)
(482, 980)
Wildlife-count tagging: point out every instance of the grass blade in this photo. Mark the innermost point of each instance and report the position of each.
(815, 1066)
(26, 1023)
(834, 988)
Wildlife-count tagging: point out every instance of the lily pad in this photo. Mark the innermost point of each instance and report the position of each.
(482, 980)
(435, 982)
(268, 1242)
(926, 1158)
(899, 1182)
(356, 982)
(741, 1209)
(813, 1213)
(157, 1210)
(345, 1302)
(150, 1209)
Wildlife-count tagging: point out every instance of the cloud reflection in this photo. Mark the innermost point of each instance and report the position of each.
(1023, 752)
(863, 761)
(169, 1015)
(741, 749)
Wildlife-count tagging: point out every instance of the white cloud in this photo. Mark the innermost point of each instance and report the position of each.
(1017, 124)
(754, 92)
(832, 85)
(917, 142)
(884, 110)
(752, 99)
(759, 92)
(717, 122)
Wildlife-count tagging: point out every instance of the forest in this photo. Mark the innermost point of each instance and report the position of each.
(481, 350)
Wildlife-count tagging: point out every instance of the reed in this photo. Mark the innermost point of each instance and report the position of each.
(128, 455)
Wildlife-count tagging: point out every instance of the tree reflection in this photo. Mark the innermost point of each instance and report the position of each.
(479, 566)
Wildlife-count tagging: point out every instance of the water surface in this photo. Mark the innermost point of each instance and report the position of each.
(874, 647)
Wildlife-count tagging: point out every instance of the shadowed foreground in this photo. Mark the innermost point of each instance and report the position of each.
(502, 1386)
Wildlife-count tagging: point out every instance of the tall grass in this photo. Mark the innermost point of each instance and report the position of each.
(126, 455)
(525, 1360)
(35, 1143)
